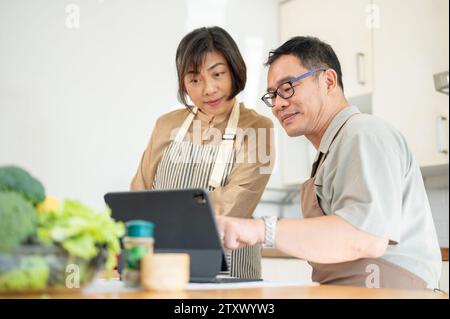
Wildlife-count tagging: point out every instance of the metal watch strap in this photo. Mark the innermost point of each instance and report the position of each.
(270, 223)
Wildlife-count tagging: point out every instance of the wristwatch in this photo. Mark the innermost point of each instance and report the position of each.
(270, 223)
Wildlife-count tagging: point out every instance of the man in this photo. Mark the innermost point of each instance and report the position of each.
(367, 220)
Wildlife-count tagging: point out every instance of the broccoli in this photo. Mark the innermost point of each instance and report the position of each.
(13, 178)
(18, 220)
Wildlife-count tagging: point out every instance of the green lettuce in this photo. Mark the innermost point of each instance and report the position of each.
(81, 231)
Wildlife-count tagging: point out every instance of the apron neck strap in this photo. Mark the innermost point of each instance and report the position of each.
(230, 130)
(225, 149)
(186, 124)
(316, 164)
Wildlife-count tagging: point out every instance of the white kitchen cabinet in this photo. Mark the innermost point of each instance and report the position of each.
(296, 159)
(443, 282)
(410, 45)
(345, 25)
(286, 269)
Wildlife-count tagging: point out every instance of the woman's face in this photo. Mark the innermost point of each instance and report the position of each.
(210, 87)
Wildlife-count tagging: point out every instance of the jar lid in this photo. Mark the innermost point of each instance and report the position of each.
(139, 228)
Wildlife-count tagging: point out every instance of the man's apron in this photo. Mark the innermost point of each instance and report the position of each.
(188, 165)
(365, 272)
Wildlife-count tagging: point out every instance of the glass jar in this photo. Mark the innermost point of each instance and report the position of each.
(137, 244)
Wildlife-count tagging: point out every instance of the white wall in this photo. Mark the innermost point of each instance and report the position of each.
(77, 105)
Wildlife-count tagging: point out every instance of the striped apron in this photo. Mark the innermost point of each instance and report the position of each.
(188, 165)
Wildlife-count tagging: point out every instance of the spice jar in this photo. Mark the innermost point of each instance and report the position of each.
(137, 243)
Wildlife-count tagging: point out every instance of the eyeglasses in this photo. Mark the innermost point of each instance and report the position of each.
(286, 90)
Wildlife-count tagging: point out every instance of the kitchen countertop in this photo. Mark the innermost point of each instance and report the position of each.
(113, 288)
(281, 292)
(291, 290)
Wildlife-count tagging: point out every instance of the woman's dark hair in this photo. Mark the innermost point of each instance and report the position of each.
(193, 48)
(311, 52)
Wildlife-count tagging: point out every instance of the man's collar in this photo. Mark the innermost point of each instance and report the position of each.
(336, 123)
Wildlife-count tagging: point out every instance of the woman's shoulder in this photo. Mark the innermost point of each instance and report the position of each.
(250, 118)
(173, 117)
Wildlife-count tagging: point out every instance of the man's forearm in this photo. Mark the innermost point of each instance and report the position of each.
(327, 239)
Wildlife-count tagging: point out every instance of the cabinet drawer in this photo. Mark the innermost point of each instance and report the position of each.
(286, 269)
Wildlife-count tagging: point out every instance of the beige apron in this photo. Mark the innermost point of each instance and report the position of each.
(365, 272)
(188, 165)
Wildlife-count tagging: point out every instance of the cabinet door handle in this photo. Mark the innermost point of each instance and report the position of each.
(441, 143)
(360, 68)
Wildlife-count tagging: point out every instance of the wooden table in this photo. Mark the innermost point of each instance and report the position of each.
(289, 292)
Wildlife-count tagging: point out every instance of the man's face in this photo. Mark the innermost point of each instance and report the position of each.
(299, 114)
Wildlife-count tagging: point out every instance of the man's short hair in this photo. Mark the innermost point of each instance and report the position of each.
(311, 52)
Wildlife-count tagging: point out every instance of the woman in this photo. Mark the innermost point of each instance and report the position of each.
(187, 145)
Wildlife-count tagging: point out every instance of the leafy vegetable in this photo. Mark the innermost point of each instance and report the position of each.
(82, 231)
(32, 274)
(17, 220)
(13, 178)
(39, 238)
